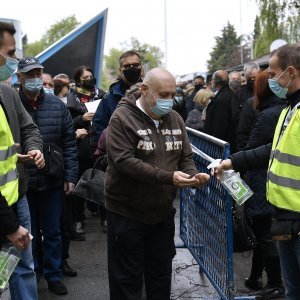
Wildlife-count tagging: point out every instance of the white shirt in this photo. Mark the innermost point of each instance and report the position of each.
(139, 105)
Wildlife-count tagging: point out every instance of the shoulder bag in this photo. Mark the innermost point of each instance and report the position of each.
(54, 160)
(243, 235)
(91, 185)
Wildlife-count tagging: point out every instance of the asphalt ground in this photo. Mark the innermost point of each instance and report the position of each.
(89, 259)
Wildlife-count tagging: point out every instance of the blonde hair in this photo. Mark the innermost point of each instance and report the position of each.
(203, 96)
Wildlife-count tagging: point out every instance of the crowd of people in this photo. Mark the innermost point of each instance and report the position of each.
(138, 132)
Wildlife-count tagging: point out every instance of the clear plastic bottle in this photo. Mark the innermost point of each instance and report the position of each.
(9, 258)
(236, 186)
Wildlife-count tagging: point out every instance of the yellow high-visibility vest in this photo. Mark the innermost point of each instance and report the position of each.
(8, 160)
(283, 184)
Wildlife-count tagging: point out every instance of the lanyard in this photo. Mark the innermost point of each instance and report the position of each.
(286, 122)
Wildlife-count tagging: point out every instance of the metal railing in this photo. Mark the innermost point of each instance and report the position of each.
(206, 219)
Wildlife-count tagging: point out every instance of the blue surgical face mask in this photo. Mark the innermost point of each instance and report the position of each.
(48, 91)
(277, 89)
(162, 106)
(33, 85)
(9, 68)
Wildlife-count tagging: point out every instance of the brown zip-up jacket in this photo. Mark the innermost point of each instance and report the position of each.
(142, 160)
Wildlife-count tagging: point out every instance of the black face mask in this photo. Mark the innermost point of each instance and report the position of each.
(250, 84)
(132, 75)
(88, 83)
(198, 86)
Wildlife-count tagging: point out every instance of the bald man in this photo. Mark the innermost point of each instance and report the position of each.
(218, 121)
(149, 156)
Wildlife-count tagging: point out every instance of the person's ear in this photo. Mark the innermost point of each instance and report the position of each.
(144, 89)
(293, 71)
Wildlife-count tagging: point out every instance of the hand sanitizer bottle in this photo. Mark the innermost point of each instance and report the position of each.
(234, 184)
(9, 258)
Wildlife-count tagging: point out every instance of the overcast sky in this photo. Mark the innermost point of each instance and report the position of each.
(191, 24)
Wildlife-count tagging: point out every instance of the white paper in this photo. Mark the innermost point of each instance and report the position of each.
(92, 106)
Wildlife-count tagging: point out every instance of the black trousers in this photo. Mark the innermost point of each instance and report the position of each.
(265, 254)
(137, 251)
(66, 225)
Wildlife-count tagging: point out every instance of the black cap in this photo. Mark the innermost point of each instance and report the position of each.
(26, 64)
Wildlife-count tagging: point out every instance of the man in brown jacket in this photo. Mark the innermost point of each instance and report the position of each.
(149, 156)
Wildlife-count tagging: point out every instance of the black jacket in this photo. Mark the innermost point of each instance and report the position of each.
(218, 115)
(238, 100)
(77, 111)
(8, 221)
(261, 133)
(237, 103)
(245, 125)
(55, 124)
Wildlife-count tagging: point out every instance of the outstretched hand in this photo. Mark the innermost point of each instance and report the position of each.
(184, 180)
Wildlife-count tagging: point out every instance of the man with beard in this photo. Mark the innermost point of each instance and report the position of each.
(131, 72)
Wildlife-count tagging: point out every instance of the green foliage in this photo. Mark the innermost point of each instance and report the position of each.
(269, 25)
(34, 48)
(151, 57)
(105, 80)
(56, 32)
(278, 19)
(112, 61)
(226, 44)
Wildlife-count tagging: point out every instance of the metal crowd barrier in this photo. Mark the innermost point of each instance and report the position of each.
(206, 219)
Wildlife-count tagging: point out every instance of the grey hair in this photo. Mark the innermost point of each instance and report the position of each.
(234, 72)
(249, 67)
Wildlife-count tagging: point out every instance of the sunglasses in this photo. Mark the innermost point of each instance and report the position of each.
(134, 66)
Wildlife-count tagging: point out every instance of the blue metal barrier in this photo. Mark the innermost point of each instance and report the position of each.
(206, 219)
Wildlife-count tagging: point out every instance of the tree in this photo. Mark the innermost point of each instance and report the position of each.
(226, 44)
(270, 26)
(290, 14)
(112, 62)
(56, 32)
(151, 57)
(278, 19)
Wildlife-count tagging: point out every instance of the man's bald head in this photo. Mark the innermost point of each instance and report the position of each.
(219, 79)
(158, 76)
(157, 84)
(220, 75)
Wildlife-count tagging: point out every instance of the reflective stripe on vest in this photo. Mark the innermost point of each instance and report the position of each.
(4, 154)
(8, 172)
(283, 185)
(284, 181)
(8, 177)
(286, 158)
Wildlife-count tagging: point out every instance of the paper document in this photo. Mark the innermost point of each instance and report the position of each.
(92, 106)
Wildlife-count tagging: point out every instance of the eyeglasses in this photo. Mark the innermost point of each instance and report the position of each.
(134, 66)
